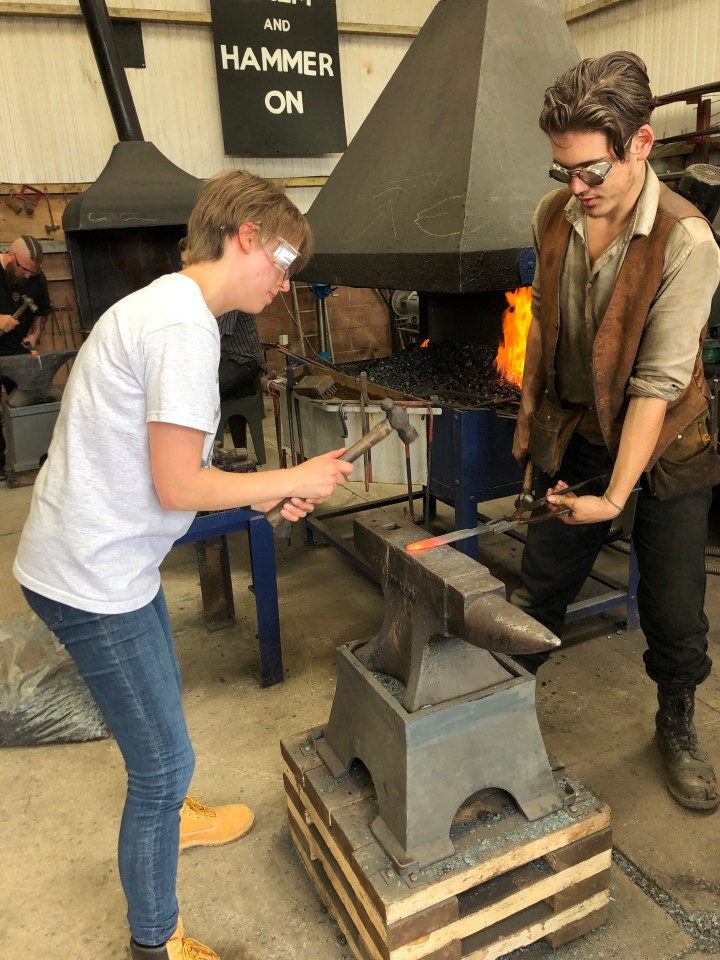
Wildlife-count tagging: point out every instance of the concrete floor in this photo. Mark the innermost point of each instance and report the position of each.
(59, 889)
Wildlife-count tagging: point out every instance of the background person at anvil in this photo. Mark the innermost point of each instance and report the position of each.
(109, 503)
(20, 274)
(614, 386)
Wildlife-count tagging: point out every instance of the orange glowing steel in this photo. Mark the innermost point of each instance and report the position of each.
(425, 343)
(510, 359)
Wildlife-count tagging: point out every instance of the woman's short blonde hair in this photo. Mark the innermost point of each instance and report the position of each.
(233, 198)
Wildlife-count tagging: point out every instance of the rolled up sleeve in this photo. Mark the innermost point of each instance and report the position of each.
(670, 340)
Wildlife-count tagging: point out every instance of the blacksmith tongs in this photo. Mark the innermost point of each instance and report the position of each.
(523, 514)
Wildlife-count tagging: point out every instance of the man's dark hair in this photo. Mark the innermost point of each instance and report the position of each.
(609, 94)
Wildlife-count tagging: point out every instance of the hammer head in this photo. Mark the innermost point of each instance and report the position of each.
(399, 420)
(30, 304)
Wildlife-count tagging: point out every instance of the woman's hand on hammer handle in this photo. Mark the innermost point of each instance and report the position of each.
(313, 480)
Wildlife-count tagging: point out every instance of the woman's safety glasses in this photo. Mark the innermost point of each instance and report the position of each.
(282, 255)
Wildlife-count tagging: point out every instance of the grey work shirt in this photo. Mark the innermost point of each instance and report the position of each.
(666, 357)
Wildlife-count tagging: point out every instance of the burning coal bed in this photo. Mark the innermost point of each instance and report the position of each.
(460, 374)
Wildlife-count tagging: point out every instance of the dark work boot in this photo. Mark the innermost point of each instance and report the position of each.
(689, 777)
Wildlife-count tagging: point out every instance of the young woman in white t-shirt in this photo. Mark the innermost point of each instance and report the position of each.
(128, 467)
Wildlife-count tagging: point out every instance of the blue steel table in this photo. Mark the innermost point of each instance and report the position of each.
(210, 532)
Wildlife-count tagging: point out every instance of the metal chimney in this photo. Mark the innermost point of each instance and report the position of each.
(437, 189)
(122, 232)
(139, 185)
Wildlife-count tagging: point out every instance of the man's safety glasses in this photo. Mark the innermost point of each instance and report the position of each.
(592, 175)
(27, 271)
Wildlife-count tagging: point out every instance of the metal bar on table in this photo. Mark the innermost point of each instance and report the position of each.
(301, 445)
(366, 505)
(408, 472)
(365, 426)
(296, 311)
(289, 386)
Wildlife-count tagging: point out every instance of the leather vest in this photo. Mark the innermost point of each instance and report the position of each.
(618, 338)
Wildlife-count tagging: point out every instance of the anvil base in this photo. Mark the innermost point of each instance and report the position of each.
(28, 431)
(426, 764)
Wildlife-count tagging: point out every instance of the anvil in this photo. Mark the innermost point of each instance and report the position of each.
(461, 719)
(33, 376)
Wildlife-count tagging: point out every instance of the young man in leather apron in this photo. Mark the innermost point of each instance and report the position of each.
(614, 386)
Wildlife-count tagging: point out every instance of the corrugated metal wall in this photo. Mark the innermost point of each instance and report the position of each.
(62, 131)
(678, 39)
(60, 128)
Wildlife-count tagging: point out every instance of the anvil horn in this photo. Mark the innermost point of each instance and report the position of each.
(493, 624)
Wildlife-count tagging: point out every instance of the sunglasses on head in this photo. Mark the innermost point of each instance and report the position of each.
(592, 175)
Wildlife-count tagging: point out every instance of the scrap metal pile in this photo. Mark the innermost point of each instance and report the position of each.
(457, 373)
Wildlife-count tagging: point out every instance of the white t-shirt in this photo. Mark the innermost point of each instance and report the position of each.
(96, 533)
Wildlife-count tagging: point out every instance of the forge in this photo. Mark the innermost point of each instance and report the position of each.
(433, 705)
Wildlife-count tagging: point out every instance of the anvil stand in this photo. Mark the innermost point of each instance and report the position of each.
(467, 719)
(30, 409)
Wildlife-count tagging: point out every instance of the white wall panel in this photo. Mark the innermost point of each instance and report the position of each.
(398, 12)
(678, 39)
(61, 129)
(65, 133)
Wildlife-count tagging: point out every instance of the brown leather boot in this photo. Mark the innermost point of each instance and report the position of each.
(178, 947)
(202, 826)
(689, 776)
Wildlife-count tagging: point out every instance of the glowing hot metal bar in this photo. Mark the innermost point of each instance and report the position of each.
(524, 514)
(495, 526)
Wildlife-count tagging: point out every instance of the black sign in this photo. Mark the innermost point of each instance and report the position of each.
(278, 76)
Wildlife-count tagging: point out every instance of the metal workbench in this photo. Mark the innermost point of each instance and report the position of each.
(210, 532)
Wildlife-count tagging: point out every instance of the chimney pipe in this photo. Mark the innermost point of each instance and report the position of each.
(112, 72)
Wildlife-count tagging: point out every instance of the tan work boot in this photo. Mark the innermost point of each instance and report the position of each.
(689, 775)
(178, 947)
(202, 826)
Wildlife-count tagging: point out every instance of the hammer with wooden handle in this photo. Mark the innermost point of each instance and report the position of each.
(397, 419)
(27, 304)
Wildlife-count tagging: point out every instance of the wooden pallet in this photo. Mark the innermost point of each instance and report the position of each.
(509, 884)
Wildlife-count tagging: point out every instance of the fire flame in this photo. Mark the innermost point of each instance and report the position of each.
(425, 343)
(510, 360)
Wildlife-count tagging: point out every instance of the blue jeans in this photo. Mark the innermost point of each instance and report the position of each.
(129, 663)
